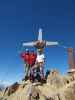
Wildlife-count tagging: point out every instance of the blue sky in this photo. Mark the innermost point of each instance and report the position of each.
(20, 21)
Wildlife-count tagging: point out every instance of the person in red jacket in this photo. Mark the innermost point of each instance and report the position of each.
(33, 57)
(26, 57)
(29, 59)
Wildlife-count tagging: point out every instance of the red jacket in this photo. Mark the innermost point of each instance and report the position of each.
(29, 58)
(25, 56)
(32, 58)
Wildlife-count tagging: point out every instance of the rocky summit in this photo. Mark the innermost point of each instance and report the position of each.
(56, 87)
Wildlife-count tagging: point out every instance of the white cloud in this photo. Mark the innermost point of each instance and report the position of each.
(6, 83)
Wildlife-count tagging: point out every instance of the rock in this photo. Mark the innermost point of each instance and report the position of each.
(56, 79)
(58, 87)
(69, 92)
(13, 88)
(34, 93)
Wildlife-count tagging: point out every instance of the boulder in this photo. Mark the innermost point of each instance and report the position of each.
(54, 78)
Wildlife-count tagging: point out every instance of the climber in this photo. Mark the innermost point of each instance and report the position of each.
(29, 59)
(25, 57)
(33, 57)
(40, 62)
